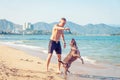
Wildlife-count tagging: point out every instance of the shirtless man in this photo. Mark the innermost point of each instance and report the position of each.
(54, 43)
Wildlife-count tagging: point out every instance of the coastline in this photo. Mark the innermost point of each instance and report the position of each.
(34, 66)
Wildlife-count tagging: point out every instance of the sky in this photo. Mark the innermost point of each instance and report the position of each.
(79, 11)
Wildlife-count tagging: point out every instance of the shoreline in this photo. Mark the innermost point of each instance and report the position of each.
(78, 70)
(40, 51)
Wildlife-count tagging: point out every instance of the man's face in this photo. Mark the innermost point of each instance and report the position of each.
(62, 23)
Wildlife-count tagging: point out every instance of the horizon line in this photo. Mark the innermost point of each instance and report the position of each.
(58, 21)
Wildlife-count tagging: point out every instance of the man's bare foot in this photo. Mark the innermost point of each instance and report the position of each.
(47, 70)
(58, 72)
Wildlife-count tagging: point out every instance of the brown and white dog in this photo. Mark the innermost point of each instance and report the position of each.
(72, 56)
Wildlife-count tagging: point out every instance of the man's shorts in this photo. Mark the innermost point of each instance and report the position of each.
(53, 45)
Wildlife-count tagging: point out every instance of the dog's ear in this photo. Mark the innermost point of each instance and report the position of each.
(74, 42)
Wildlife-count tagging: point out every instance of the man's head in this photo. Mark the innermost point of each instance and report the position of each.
(62, 22)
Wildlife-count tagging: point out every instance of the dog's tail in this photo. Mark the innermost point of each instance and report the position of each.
(61, 62)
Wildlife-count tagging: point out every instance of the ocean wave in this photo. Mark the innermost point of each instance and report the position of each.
(19, 44)
(86, 59)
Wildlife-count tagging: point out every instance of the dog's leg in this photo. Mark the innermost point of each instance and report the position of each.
(65, 66)
(81, 60)
(68, 71)
(61, 62)
(65, 71)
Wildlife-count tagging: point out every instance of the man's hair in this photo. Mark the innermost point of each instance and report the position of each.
(63, 19)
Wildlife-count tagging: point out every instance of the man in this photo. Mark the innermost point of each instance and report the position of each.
(54, 43)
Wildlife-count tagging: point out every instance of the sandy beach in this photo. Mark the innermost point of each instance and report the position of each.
(17, 64)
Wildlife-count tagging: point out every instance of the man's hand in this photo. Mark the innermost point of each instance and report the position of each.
(66, 28)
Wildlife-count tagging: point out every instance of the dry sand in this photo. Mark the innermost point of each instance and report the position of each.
(17, 65)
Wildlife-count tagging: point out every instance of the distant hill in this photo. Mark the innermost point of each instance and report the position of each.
(42, 27)
(101, 29)
(9, 27)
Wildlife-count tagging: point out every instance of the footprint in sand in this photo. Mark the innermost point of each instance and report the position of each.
(38, 62)
(50, 78)
(28, 60)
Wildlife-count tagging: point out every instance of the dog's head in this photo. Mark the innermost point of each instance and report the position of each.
(73, 42)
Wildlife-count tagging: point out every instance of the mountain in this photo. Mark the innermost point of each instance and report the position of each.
(75, 28)
(9, 27)
(42, 26)
(100, 29)
(91, 28)
(118, 25)
(46, 28)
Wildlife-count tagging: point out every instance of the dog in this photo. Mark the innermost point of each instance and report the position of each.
(73, 55)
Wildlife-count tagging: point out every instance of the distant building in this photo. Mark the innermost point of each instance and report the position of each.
(27, 26)
(32, 27)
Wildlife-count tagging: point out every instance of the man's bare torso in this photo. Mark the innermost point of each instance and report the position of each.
(56, 34)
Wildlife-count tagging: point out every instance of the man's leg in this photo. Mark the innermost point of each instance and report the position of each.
(59, 64)
(48, 60)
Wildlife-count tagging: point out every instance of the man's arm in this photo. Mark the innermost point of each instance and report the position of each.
(63, 39)
(61, 28)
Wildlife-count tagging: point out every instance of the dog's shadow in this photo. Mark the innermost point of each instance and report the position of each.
(72, 76)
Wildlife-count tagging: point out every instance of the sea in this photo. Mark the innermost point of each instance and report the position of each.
(93, 49)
